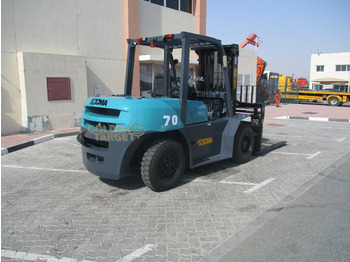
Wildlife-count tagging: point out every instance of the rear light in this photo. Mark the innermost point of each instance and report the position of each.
(152, 45)
(169, 36)
(141, 39)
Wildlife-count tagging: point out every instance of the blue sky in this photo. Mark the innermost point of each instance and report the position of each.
(291, 30)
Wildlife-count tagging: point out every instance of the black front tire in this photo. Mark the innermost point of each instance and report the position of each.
(244, 144)
(163, 165)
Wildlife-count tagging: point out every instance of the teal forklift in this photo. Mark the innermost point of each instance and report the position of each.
(180, 122)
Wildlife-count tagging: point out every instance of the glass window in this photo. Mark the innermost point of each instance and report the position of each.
(178, 71)
(145, 78)
(174, 4)
(342, 68)
(158, 2)
(320, 68)
(186, 6)
(318, 87)
(342, 88)
(158, 69)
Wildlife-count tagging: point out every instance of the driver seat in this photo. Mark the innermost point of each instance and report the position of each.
(158, 89)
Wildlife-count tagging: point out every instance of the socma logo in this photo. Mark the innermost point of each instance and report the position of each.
(97, 101)
(205, 141)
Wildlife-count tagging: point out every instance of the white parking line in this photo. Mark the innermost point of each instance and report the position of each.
(341, 139)
(256, 187)
(305, 137)
(288, 153)
(308, 156)
(46, 169)
(37, 257)
(313, 155)
(137, 253)
(237, 183)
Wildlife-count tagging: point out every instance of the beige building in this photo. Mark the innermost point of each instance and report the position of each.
(330, 71)
(55, 54)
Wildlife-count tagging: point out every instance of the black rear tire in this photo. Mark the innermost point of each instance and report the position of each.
(163, 165)
(244, 144)
(334, 101)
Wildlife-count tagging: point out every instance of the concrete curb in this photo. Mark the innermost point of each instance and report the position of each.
(35, 141)
(313, 118)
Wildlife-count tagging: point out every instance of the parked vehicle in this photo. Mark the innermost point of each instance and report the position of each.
(183, 123)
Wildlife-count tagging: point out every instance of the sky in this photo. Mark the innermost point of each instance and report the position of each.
(291, 30)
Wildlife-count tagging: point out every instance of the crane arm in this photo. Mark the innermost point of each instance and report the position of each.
(252, 39)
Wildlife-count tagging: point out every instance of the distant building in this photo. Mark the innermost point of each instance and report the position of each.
(330, 71)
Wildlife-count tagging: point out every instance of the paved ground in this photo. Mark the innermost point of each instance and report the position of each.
(315, 227)
(53, 208)
(313, 111)
(320, 111)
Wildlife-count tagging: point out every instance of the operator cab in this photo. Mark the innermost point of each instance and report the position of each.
(207, 83)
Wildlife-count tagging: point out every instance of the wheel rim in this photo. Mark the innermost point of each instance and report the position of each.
(334, 101)
(246, 145)
(168, 166)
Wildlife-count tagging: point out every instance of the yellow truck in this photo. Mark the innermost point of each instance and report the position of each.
(289, 89)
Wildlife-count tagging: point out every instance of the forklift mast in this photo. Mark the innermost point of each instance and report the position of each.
(211, 66)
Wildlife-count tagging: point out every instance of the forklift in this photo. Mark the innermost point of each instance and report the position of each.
(182, 122)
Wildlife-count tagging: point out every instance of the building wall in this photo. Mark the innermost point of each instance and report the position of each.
(91, 30)
(159, 20)
(37, 111)
(11, 109)
(329, 61)
(62, 28)
(247, 63)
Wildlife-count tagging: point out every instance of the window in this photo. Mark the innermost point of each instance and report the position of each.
(182, 5)
(342, 68)
(174, 4)
(317, 87)
(145, 78)
(158, 2)
(320, 68)
(342, 88)
(150, 72)
(186, 6)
